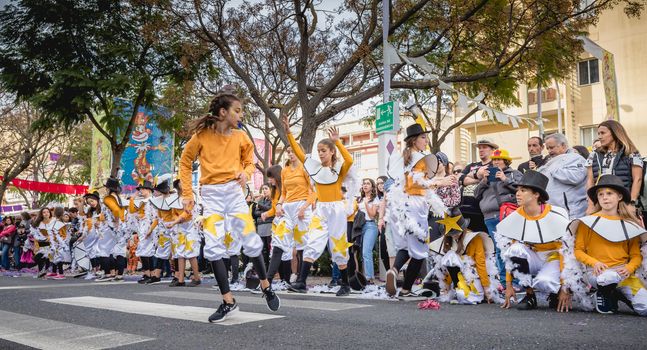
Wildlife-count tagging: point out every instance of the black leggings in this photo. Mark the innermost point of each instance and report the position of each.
(159, 263)
(384, 253)
(42, 261)
(58, 268)
(266, 249)
(121, 264)
(146, 264)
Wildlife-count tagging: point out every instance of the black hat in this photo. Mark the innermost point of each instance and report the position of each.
(176, 184)
(93, 194)
(414, 130)
(163, 187)
(609, 181)
(535, 180)
(113, 184)
(454, 213)
(145, 185)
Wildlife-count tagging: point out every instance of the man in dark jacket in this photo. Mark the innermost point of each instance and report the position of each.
(535, 149)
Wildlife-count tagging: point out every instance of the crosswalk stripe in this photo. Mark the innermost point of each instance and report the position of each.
(53, 284)
(179, 312)
(57, 335)
(257, 300)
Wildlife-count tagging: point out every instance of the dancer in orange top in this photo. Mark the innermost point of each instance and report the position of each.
(226, 164)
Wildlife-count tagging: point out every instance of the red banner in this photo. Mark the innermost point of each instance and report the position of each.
(49, 187)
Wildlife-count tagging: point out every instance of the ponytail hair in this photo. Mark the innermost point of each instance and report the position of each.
(406, 154)
(209, 120)
(331, 145)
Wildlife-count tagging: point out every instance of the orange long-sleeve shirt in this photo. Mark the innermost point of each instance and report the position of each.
(222, 158)
(591, 248)
(141, 211)
(117, 211)
(296, 185)
(476, 251)
(331, 192)
(411, 187)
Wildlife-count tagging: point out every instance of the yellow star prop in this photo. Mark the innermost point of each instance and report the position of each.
(299, 234)
(249, 223)
(228, 239)
(209, 224)
(281, 230)
(450, 222)
(341, 245)
(187, 243)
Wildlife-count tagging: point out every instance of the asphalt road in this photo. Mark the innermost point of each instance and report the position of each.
(80, 314)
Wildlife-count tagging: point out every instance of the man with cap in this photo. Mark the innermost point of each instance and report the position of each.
(530, 240)
(464, 262)
(608, 244)
(470, 178)
(566, 174)
(143, 213)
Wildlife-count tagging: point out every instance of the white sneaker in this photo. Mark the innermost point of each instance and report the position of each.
(293, 278)
(90, 276)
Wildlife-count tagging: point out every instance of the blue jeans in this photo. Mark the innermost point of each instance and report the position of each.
(369, 237)
(336, 273)
(491, 228)
(17, 251)
(5, 255)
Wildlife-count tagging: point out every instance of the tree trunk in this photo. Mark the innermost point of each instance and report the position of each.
(3, 188)
(117, 153)
(308, 134)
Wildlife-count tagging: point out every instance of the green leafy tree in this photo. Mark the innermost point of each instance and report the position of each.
(73, 59)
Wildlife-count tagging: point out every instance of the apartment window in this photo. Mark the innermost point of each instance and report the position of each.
(357, 159)
(547, 95)
(588, 135)
(588, 72)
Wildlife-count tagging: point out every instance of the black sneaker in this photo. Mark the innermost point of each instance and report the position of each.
(391, 283)
(42, 274)
(144, 279)
(529, 302)
(153, 280)
(603, 304)
(333, 284)
(176, 283)
(344, 290)
(224, 310)
(273, 301)
(298, 287)
(194, 283)
(553, 301)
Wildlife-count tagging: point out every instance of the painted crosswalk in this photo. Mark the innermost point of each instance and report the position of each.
(257, 300)
(180, 312)
(47, 334)
(65, 285)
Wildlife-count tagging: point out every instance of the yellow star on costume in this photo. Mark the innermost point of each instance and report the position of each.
(209, 224)
(249, 223)
(315, 224)
(228, 240)
(450, 222)
(161, 240)
(341, 245)
(299, 234)
(281, 230)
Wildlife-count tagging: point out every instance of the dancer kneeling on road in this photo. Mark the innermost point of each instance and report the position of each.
(226, 163)
(530, 240)
(608, 243)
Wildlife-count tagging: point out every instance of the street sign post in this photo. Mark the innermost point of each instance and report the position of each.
(387, 117)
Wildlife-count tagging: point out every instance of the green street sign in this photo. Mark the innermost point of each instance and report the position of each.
(387, 117)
